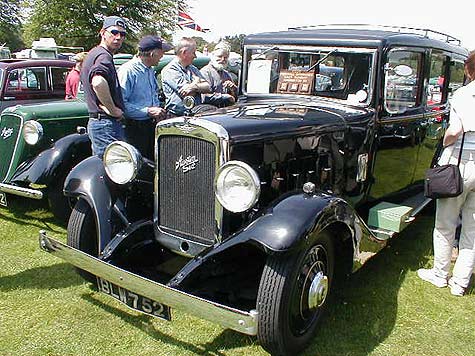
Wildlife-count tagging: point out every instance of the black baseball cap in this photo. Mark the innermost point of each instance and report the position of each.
(150, 42)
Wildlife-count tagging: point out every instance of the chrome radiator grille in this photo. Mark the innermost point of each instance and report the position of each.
(10, 128)
(186, 194)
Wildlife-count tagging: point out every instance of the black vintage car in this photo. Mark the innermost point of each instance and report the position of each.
(249, 214)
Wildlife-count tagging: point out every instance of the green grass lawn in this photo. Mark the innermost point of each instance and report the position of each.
(383, 309)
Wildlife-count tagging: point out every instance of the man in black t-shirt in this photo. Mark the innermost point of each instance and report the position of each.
(101, 87)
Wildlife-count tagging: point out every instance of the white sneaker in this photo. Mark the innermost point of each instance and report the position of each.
(429, 276)
(455, 289)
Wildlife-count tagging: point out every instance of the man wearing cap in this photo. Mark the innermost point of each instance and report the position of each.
(101, 87)
(181, 78)
(140, 92)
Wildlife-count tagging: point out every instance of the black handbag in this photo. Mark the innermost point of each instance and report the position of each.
(444, 181)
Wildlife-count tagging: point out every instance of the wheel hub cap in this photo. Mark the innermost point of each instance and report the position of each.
(318, 290)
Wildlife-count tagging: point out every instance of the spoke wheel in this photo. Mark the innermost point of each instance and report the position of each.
(293, 294)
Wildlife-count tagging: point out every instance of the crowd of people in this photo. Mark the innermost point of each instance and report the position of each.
(124, 104)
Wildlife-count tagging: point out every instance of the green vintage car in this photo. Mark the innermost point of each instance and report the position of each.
(40, 143)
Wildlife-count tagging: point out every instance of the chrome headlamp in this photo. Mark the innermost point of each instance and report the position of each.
(122, 162)
(32, 132)
(237, 186)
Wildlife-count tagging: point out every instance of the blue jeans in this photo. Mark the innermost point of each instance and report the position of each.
(102, 132)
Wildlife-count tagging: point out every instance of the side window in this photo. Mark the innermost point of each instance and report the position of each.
(33, 79)
(13, 83)
(402, 80)
(456, 76)
(28, 79)
(436, 78)
(58, 78)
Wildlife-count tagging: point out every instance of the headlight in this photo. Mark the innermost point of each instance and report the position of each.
(237, 186)
(32, 132)
(122, 162)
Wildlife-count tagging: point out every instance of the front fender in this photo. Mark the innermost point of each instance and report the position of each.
(287, 223)
(89, 181)
(55, 161)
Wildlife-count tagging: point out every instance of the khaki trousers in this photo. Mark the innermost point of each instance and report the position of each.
(446, 221)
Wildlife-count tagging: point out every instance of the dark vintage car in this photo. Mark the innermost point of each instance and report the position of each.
(24, 81)
(40, 143)
(250, 213)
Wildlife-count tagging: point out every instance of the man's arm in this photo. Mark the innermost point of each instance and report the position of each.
(101, 88)
(454, 130)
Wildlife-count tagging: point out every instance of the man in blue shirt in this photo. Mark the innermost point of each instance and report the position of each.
(140, 92)
(181, 78)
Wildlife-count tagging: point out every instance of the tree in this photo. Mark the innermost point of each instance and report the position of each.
(10, 24)
(77, 23)
(235, 42)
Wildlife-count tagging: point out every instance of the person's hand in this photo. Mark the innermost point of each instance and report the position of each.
(229, 85)
(157, 113)
(115, 112)
(229, 99)
(187, 89)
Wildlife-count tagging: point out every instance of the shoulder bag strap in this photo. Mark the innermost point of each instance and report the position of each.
(461, 148)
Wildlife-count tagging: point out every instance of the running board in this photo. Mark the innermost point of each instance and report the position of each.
(387, 219)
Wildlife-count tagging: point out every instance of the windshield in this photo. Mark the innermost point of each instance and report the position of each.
(1, 79)
(340, 73)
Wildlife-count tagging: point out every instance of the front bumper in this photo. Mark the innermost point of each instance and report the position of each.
(21, 191)
(241, 321)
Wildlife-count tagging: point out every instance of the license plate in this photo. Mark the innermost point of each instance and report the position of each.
(133, 300)
(3, 199)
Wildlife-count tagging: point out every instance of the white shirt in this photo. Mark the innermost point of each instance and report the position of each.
(463, 106)
(463, 109)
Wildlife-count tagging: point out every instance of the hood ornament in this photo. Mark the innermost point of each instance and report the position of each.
(186, 128)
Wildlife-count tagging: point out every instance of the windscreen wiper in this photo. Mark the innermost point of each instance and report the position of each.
(322, 59)
(267, 50)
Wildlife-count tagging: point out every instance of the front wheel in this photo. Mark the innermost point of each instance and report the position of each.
(82, 233)
(293, 294)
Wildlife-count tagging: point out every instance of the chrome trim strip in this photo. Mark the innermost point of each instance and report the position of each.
(402, 118)
(23, 192)
(241, 321)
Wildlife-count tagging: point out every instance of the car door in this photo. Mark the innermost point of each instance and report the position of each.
(437, 109)
(400, 121)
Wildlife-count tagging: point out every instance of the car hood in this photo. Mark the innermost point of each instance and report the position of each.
(51, 110)
(256, 119)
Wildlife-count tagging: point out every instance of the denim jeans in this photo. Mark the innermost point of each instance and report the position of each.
(102, 132)
(447, 220)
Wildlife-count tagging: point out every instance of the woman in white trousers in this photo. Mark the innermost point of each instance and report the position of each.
(462, 119)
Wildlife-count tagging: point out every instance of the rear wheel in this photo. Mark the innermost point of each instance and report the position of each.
(293, 294)
(82, 233)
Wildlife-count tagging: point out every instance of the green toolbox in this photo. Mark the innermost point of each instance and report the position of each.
(389, 216)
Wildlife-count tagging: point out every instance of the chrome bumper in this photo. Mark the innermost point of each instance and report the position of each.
(242, 321)
(23, 192)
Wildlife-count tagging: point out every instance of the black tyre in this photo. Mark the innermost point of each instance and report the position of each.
(293, 294)
(58, 202)
(82, 233)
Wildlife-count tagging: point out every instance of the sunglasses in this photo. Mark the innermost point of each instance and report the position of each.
(117, 32)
